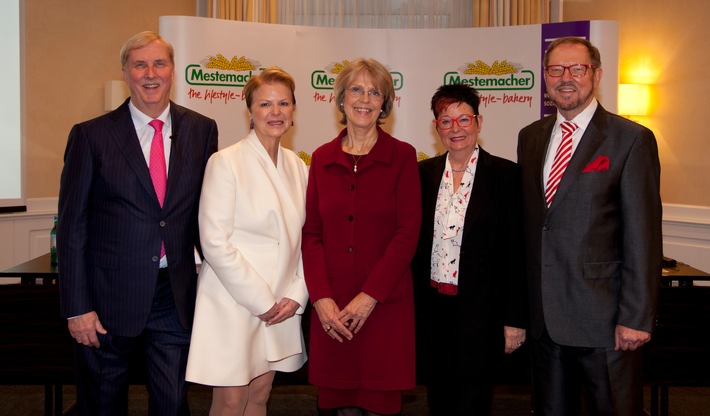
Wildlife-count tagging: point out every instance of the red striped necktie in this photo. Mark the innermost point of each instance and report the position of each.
(562, 157)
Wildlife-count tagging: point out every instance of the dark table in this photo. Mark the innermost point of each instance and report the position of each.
(679, 351)
(682, 275)
(35, 345)
(35, 271)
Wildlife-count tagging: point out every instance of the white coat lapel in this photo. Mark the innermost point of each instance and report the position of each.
(283, 184)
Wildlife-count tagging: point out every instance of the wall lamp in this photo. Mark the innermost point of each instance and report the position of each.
(634, 100)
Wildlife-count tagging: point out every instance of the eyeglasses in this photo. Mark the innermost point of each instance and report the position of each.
(576, 70)
(359, 92)
(464, 120)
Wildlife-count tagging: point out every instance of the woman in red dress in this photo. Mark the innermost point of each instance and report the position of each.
(363, 213)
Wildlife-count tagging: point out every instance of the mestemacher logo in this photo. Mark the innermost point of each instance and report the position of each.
(325, 79)
(501, 75)
(220, 71)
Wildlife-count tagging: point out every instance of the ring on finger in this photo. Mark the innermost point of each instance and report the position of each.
(327, 328)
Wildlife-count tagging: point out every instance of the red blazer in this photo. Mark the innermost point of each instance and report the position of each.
(360, 234)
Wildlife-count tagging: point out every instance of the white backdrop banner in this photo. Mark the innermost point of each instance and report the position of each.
(214, 59)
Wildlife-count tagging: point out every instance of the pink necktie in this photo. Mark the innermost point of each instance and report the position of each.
(562, 157)
(157, 166)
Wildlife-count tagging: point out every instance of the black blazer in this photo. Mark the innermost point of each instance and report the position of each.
(491, 292)
(111, 224)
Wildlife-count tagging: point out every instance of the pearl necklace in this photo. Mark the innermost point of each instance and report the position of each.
(356, 161)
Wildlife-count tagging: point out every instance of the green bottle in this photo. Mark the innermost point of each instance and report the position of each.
(53, 243)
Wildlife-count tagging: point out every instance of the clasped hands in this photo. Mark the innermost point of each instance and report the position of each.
(280, 312)
(345, 323)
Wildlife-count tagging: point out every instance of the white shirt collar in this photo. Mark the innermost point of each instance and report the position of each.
(140, 119)
(582, 120)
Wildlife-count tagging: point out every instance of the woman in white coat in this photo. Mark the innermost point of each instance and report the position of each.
(250, 291)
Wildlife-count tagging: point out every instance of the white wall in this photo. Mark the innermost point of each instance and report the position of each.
(24, 236)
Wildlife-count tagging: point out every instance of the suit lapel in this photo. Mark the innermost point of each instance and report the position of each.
(123, 133)
(286, 192)
(480, 192)
(431, 176)
(284, 181)
(539, 154)
(177, 148)
(587, 147)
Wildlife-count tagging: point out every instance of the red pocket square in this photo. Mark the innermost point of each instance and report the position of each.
(599, 164)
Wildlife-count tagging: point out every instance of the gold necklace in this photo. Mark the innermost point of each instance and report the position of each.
(356, 161)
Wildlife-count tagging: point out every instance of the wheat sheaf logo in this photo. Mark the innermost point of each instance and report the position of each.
(337, 67)
(496, 68)
(236, 64)
(324, 79)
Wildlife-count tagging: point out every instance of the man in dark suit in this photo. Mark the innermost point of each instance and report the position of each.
(593, 242)
(127, 276)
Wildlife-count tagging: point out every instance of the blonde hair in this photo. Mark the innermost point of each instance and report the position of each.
(141, 40)
(379, 75)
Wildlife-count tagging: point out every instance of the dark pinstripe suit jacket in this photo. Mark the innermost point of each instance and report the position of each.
(111, 224)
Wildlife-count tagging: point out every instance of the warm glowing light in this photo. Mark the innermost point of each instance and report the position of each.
(633, 99)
